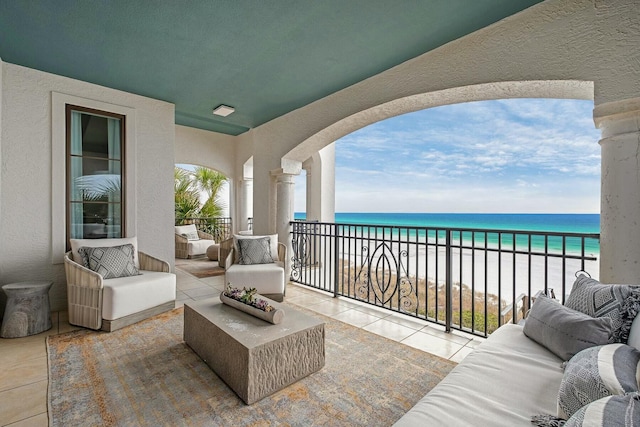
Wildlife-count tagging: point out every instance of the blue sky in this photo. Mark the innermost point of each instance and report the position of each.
(517, 155)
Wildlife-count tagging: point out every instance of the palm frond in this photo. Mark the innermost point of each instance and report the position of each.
(95, 187)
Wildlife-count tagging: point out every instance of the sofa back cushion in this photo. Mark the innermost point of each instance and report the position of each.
(101, 243)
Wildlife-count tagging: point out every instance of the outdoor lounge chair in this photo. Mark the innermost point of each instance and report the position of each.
(244, 272)
(110, 304)
(191, 242)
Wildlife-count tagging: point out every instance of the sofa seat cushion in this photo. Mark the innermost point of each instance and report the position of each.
(198, 247)
(504, 382)
(128, 295)
(266, 278)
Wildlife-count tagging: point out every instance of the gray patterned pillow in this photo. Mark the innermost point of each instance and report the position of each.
(110, 262)
(254, 251)
(612, 411)
(597, 372)
(620, 303)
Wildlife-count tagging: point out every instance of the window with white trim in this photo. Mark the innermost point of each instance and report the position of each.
(95, 173)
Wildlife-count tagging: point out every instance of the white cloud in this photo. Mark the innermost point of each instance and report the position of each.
(531, 155)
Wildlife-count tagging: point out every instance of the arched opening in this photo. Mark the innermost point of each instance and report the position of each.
(202, 199)
(523, 162)
(421, 104)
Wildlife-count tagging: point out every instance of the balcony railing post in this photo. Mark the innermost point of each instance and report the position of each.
(336, 263)
(449, 282)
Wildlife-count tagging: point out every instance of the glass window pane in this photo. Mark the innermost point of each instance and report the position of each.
(95, 220)
(114, 224)
(74, 174)
(95, 176)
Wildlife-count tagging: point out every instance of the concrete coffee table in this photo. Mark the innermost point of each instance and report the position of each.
(253, 357)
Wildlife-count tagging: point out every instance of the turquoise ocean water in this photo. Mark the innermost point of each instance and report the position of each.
(563, 223)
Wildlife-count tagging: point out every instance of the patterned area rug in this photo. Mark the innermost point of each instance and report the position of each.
(200, 267)
(145, 375)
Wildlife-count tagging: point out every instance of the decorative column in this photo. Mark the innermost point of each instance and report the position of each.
(321, 184)
(620, 190)
(309, 205)
(285, 190)
(245, 210)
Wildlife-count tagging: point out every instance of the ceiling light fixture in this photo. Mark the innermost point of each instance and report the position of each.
(223, 110)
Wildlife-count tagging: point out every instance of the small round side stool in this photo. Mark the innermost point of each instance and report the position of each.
(27, 311)
(213, 251)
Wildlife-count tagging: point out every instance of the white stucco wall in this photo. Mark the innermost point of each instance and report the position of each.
(26, 198)
(205, 148)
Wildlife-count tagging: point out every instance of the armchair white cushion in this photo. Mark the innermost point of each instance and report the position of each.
(125, 296)
(187, 246)
(267, 278)
(110, 304)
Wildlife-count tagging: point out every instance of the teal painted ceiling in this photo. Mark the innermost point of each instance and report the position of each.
(263, 57)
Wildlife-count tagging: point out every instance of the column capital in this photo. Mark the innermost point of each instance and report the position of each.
(283, 177)
(617, 117)
(289, 167)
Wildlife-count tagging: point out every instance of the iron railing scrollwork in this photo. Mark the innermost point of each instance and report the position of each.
(382, 275)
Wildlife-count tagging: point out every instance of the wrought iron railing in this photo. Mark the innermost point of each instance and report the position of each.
(472, 280)
(220, 228)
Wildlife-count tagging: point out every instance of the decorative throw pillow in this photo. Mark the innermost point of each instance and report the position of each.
(110, 262)
(564, 331)
(597, 372)
(191, 235)
(634, 333)
(620, 303)
(254, 251)
(273, 240)
(612, 411)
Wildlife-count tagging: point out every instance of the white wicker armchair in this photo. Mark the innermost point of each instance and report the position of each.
(269, 279)
(150, 293)
(186, 248)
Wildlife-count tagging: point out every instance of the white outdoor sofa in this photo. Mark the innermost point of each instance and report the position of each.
(505, 381)
(268, 277)
(110, 304)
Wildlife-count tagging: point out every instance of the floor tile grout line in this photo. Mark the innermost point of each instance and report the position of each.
(46, 378)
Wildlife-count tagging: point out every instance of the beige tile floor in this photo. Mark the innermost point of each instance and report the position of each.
(23, 361)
